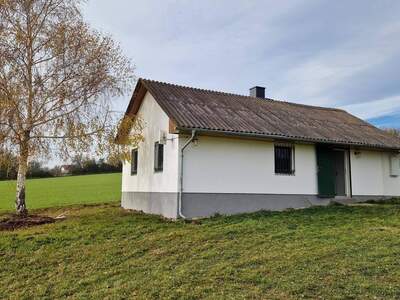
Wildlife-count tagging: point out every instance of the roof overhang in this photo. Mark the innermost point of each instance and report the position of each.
(131, 111)
(275, 137)
(133, 107)
(177, 123)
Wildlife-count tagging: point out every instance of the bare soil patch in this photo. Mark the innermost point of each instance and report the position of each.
(12, 222)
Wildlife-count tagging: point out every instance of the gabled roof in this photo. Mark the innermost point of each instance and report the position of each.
(224, 113)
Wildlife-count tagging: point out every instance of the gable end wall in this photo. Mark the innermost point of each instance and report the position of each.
(150, 191)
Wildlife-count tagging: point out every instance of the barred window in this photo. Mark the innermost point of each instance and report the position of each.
(158, 157)
(284, 159)
(134, 161)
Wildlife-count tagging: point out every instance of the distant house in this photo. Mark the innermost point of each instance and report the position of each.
(206, 152)
(66, 169)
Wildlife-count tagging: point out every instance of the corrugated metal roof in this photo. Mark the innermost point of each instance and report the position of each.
(192, 108)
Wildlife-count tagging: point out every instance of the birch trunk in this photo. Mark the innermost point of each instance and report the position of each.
(20, 204)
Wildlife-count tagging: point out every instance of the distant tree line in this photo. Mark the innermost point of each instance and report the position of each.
(81, 165)
(393, 131)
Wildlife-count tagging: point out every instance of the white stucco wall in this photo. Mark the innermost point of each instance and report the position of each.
(231, 165)
(146, 180)
(371, 174)
(228, 165)
(391, 184)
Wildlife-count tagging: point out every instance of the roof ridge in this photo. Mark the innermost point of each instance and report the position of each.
(196, 88)
(245, 96)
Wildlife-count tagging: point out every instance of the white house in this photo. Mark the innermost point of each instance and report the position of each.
(206, 152)
(66, 169)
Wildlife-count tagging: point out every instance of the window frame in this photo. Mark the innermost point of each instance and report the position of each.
(282, 172)
(134, 161)
(158, 166)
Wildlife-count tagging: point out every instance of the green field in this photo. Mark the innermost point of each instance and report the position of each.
(50, 192)
(104, 252)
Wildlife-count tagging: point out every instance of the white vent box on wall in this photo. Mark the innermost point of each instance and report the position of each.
(395, 165)
(162, 138)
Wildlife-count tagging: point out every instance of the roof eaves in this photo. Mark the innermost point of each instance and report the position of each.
(286, 137)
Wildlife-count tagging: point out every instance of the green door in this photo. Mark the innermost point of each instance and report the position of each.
(326, 172)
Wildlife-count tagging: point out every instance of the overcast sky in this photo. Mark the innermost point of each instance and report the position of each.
(332, 53)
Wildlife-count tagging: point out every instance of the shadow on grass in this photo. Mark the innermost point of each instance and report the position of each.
(391, 201)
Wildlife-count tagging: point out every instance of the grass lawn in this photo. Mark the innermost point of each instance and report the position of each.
(104, 252)
(50, 192)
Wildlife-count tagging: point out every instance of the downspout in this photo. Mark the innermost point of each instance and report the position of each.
(181, 175)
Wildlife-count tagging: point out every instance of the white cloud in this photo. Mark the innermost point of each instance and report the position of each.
(375, 109)
(313, 52)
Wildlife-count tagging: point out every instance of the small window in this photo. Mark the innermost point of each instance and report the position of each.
(134, 161)
(395, 165)
(158, 157)
(284, 159)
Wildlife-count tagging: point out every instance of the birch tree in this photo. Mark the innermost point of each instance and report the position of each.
(58, 77)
